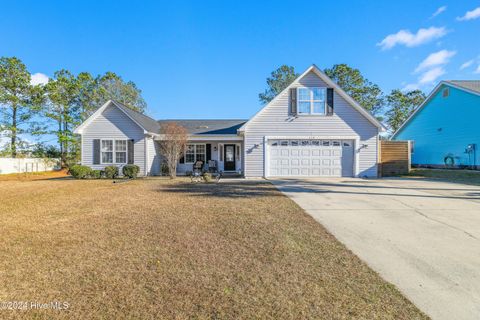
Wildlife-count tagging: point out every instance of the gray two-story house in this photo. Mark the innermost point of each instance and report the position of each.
(311, 129)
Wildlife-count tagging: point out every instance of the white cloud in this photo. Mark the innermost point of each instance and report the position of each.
(439, 10)
(470, 15)
(409, 39)
(436, 59)
(467, 64)
(431, 75)
(38, 78)
(477, 71)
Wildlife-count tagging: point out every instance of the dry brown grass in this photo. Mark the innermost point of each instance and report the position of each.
(29, 176)
(164, 249)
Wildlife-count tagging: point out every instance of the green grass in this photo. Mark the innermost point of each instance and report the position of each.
(459, 176)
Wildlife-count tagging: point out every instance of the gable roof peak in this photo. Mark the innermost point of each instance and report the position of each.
(329, 83)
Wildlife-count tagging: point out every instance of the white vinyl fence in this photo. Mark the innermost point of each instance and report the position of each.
(19, 165)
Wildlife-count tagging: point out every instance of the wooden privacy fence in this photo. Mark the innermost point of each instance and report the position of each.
(394, 158)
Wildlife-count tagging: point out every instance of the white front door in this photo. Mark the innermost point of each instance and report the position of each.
(311, 158)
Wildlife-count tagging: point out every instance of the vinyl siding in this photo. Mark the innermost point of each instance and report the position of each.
(154, 160)
(182, 168)
(274, 120)
(444, 126)
(113, 124)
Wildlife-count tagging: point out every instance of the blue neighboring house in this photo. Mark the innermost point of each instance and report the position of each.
(445, 128)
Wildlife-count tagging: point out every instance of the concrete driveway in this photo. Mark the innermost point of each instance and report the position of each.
(423, 236)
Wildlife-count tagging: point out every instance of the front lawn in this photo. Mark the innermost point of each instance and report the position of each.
(460, 176)
(153, 248)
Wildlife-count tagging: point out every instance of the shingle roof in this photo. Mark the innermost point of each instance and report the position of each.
(204, 126)
(208, 126)
(473, 85)
(146, 122)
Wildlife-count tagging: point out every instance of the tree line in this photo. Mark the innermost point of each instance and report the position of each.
(61, 104)
(392, 109)
(55, 107)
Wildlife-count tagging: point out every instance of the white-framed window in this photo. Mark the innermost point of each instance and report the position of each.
(311, 100)
(113, 151)
(120, 151)
(195, 152)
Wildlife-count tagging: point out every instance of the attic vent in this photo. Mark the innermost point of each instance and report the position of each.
(202, 127)
(445, 92)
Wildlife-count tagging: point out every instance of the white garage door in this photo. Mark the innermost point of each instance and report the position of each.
(311, 158)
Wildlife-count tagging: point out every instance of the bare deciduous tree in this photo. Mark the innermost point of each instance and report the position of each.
(173, 143)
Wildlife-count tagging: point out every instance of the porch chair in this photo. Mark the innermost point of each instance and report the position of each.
(213, 169)
(197, 171)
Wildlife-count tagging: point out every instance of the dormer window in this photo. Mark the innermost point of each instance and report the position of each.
(311, 101)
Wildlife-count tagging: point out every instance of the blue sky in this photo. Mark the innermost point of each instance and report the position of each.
(209, 59)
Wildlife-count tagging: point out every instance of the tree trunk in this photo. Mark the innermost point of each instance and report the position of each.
(65, 129)
(60, 143)
(13, 142)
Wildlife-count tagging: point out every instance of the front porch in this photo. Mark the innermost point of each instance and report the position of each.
(227, 154)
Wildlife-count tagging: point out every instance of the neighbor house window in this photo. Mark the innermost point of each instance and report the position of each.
(311, 100)
(194, 153)
(114, 150)
(445, 93)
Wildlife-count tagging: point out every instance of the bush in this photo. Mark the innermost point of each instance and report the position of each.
(207, 176)
(80, 172)
(111, 172)
(164, 169)
(96, 174)
(130, 171)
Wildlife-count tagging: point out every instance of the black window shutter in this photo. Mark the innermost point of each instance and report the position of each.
(329, 101)
(131, 152)
(96, 151)
(209, 151)
(293, 101)
(182, 158)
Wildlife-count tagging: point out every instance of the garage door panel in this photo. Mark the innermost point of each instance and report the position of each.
(326, 172)
(317, 158)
